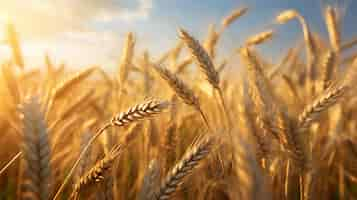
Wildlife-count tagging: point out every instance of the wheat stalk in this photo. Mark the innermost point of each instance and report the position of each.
(264, 102)
(201, 57)
(97, 173)
(180, 68)
(259, 135)
(182, 90)
(125, 65)
(65, 86)
(36, 151)
(184, 167)
(292, 141)
(211, 41)
(291, 14)
(86, 161)
(13, 40)
(312, 111)
(328, 65)
(234, 16)
(205, 63)
(286, 16)
(8, 164)
(126, 59)
(174, 54)
(150, 182)
(11, 83)
(139, 112)
(259, 82)
(134, 114)
(333, 28)
(349, 44)
(78, 103)
(259, 38)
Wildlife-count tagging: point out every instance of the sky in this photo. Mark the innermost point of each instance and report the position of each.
(88, 32)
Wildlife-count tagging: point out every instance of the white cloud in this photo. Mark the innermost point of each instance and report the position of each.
(38, 18)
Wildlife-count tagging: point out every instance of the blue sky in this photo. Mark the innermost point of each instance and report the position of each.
(83, 32)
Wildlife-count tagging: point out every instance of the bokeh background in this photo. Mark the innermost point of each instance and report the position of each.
(84, 32)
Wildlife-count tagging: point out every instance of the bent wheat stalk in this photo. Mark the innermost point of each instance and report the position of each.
(291, 14)
(134, 114)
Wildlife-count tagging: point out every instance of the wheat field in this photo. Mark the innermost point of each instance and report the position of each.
(179, 127)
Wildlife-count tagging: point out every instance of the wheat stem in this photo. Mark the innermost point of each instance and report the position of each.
(10, 162)
(85, 149)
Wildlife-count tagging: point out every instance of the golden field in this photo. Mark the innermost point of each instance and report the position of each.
(179, 127)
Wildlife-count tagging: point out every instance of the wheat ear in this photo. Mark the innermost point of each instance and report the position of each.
(201, 57)
(233, 16)
(259, 38)
(139, 112)
(349, 44)
(126, 59)
(211, 41)
(291, 14)
(136, 113)
(312, 111)
(36, 151)
(205, 63)
(332, 24)
(328, 65)
(177, 85)
(150, 182)
(97, 173)
(184, 167)
(12, 38)
(182, 90)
